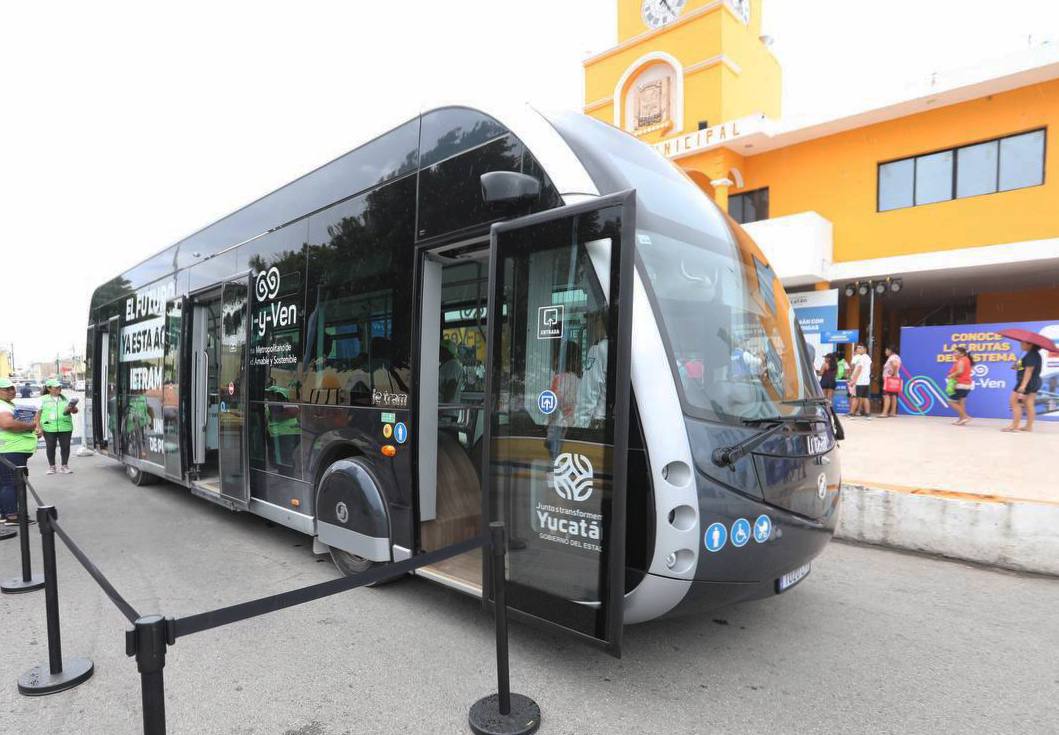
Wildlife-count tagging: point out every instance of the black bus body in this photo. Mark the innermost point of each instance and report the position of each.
(474, 317)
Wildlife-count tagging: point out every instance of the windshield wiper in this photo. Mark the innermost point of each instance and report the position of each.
(811, 400)
(836, 425)
(728, 456)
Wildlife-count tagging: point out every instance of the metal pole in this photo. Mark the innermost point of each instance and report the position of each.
(502, 713)
(871, 323)
(27, 583)
(51, 588)
(147, 641)
(61, 673)
(503, 674)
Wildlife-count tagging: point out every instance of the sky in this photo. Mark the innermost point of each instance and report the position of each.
(127, 126)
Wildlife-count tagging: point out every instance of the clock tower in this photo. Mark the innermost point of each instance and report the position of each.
(687, 73)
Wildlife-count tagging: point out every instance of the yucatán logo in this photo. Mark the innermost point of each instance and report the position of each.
(266, 284)
(572, 476)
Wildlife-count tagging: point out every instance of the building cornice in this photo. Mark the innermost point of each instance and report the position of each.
(596, 104)
(712, 62)
(654, 32)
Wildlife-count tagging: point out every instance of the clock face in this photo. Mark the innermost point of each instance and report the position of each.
(657, 13)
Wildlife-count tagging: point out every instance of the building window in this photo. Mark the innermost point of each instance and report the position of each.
(749, 206)
(1002, 164)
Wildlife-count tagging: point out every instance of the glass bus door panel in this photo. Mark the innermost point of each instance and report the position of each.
(173, 383)
(232, 398)
(109, 388)
(558, 412)
(205, 366)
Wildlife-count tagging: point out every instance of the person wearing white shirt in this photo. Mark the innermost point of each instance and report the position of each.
(859, 383)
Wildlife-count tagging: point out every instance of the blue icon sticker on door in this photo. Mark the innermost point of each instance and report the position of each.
(547, 402)
(400, 432)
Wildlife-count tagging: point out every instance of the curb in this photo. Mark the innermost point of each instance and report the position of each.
(1009, 533)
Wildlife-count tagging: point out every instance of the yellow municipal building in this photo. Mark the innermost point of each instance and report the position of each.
(949, 195)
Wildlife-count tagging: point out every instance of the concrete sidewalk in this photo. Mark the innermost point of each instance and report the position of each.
(967, 492)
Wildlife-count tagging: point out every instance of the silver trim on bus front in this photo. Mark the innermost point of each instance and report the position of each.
(667, 446)
(666, 440)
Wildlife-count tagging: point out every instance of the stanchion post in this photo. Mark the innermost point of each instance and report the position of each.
(147, 640)
(502, 713)
(60, 673)
(27, 582)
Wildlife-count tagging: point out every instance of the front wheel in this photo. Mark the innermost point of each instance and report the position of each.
(138, 477)
(351, 564)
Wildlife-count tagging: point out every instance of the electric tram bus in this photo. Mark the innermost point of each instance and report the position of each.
(485, 316)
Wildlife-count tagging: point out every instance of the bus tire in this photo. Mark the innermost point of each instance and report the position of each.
(349, 498)
(351, 564)
(138, 477)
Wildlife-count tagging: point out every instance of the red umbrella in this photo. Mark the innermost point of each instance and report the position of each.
(1023, 335)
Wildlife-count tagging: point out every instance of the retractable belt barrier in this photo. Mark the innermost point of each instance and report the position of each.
(149, 637)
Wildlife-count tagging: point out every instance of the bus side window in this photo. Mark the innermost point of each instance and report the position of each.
(358, 299)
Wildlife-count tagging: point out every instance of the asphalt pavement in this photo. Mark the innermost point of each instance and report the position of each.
(872, 641)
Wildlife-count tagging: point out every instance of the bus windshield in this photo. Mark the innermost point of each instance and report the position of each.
(733, 341)
(730, 330)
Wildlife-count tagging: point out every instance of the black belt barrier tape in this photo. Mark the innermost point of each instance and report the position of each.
(126, 609)
(233, 614)
(36, 498)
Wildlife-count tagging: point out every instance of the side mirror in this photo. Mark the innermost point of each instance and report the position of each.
(509, 186)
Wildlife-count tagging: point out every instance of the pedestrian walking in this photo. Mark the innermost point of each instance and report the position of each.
(860, 383)
(892, 383)
(963, 383)
(1027, 383)
(18, 442)
(828, 372)
(56, 421)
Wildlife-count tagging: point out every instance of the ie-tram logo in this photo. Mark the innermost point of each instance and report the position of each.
(266, 284)
(572, 476)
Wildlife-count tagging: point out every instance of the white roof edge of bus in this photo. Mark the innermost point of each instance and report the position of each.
(532, 127)
(567, 173)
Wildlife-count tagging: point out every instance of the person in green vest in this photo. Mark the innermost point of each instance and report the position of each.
(283, 429)
(18, 442)
(56, 421)
(842, 366)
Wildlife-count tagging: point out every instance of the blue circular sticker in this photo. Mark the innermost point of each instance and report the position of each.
(400, 432)
(547, 402)
(740, 532)
(762, 529)
(715, 537)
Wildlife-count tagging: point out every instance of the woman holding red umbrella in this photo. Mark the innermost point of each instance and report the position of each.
(1027, 383)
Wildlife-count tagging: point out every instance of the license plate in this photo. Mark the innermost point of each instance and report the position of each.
(790, 579)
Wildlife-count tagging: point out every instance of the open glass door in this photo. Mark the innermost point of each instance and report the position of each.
(558, 407)
(231, 415)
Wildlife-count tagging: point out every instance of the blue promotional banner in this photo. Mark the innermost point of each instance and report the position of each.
(816, 312)
(927, 354)
(840, 336)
